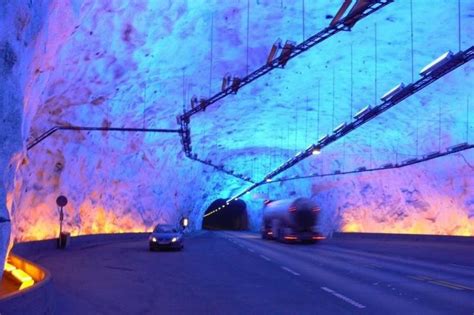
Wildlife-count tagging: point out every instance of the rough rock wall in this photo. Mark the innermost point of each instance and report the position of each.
(135, 64)
(427, 199)
(434, 197)
(17, 37)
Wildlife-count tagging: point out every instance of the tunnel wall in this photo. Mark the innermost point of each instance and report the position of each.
(20, 22)
(111, 64)
(432, 198)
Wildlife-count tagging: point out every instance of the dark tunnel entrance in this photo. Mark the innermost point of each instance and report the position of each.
(232, 217)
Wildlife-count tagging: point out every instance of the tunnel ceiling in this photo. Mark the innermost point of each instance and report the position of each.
(103, 63)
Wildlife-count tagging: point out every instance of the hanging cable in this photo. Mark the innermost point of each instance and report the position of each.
(411, 41)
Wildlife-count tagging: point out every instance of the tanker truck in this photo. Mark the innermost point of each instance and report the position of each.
(291, 220)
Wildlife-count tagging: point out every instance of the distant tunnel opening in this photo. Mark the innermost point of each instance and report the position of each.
(232, 217)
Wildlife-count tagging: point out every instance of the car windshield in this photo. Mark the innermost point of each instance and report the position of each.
(165, 229)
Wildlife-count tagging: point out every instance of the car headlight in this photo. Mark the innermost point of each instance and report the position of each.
(174, 239)
(153, 239)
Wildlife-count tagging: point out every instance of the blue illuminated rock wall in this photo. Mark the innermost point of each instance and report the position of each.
(101, 63)
(17, 30)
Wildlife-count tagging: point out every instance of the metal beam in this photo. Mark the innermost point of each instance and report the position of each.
(455, 62)
(344, 24)
(382, 168)
(222, 169)
(49, 132)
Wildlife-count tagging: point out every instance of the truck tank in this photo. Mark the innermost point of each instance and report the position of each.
(290, 220)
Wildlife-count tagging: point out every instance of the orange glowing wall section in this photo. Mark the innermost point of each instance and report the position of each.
(440, 221)
(435, 197)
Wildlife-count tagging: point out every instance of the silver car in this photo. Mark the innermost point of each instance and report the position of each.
(166, 236)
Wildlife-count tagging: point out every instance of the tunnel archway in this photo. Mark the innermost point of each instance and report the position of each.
(232, 217)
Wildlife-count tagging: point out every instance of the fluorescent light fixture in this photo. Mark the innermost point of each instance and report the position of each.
(394, 91)
(316, 151)
(363, 111)
(286, 52)
(323, 138)
(458, 147)
(274, 51)
(268, 180)
(431, 154)
(437, 63)
(340, 127)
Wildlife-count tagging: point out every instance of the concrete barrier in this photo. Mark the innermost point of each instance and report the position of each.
(404, 237)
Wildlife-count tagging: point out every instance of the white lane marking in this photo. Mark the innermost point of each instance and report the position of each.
(265, 257)
(343, 297)
(250, 250)
(290, 271)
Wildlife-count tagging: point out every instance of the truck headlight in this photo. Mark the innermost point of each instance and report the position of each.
(174, 239)
(153, 239)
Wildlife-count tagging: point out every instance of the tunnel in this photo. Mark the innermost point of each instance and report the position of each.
(232, 217)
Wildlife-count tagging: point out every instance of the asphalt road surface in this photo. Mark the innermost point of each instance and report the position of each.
(238, 273)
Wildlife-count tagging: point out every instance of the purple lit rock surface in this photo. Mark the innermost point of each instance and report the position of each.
(102, 63)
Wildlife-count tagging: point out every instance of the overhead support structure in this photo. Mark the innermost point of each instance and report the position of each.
(427, 157)
(185, 133)
(222, 169)
(48, 133)
(368, 113)
(360, 10)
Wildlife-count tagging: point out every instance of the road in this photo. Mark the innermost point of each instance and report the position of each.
(373, 276)
(238, 273)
